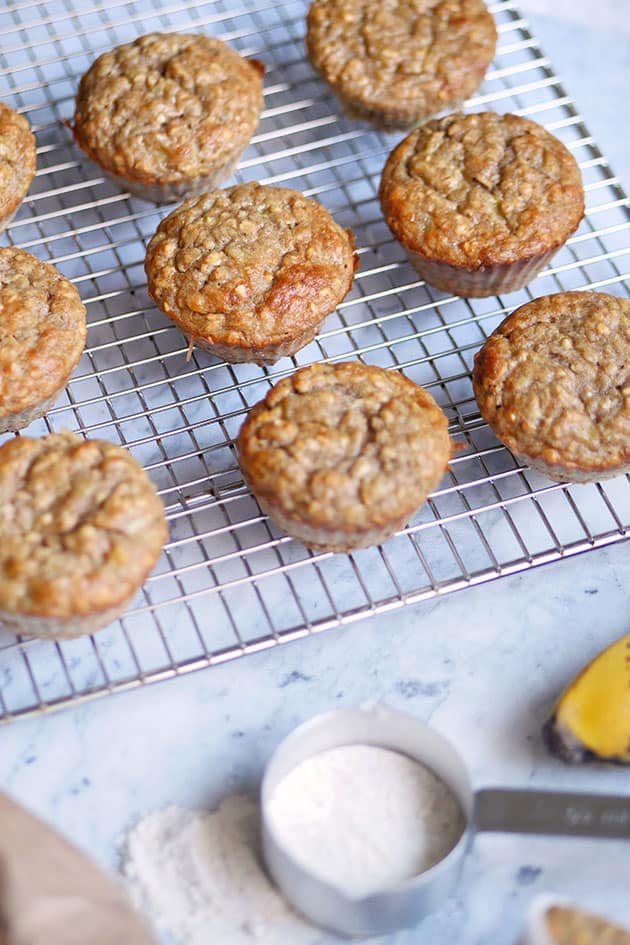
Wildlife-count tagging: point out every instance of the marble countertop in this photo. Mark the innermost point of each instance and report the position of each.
(484, 666)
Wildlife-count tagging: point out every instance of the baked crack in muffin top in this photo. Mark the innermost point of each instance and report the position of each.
(81, 526)
(17, 161)
(168, 107)
(250, 266)
(346, 447)
(481, 190)
(397, 61)
(42, 330)
(553, 382)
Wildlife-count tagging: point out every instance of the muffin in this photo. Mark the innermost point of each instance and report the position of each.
(81, 527)
(342, 455)
(481, 202)
(249, 273)
(169, 114)
(17, 162)
(394, 62)
(42, 336)
(553, 383)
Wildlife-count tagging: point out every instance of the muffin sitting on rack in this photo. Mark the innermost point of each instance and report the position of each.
(249, 273)
(342, 455)
(17, 162)
(81, 527)
(42, 336)
(553, 382)
(481, 202)
(395, 62)
(169, 114)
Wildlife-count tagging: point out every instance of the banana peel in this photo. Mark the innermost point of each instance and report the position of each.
(591, 721)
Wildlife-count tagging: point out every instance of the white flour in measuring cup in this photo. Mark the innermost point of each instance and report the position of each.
(364, 817)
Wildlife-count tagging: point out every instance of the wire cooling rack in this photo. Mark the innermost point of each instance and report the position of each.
(229, 583)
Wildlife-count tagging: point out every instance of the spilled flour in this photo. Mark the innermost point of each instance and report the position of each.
(197, 875)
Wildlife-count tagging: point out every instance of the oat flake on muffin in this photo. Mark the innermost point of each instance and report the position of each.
(481, 202)
(250, 272)
(395, 62)
(168, 114)
(17, 162)
(342, 455)
(553, 383)
(81, 527)
(42, 336)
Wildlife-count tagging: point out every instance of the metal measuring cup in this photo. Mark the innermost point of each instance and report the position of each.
(491, 809)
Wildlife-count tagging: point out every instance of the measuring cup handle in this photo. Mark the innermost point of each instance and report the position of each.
(552, 812)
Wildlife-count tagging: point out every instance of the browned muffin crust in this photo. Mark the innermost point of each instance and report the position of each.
(481, 194)
(249, 273)
(341, 456)
(81, 527)
(553, 382)
(168, 113)
(17, 162)
(397, 61)
(42, 336)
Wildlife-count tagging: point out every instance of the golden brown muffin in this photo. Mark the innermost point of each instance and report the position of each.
(81, 527)
(249, 273)
(42, 336)
(169, 114)
(395, 62)
(553, 382)
(342, 455)
(481, 202)
(17, 162)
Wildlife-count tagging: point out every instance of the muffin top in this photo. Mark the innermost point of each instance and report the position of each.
(346, 445)
(81, 526)
(168, 107)
(17, 159)
(249, 265)
(404, 58)
(481, 190)
(42, 330)
(553, 381)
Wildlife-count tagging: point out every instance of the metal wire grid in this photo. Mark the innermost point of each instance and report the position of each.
(229, 583)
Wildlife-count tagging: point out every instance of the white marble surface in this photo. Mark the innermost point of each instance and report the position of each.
(611, 14)
(484, 666)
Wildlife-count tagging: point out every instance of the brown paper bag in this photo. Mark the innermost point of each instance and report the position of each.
(51, 894)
